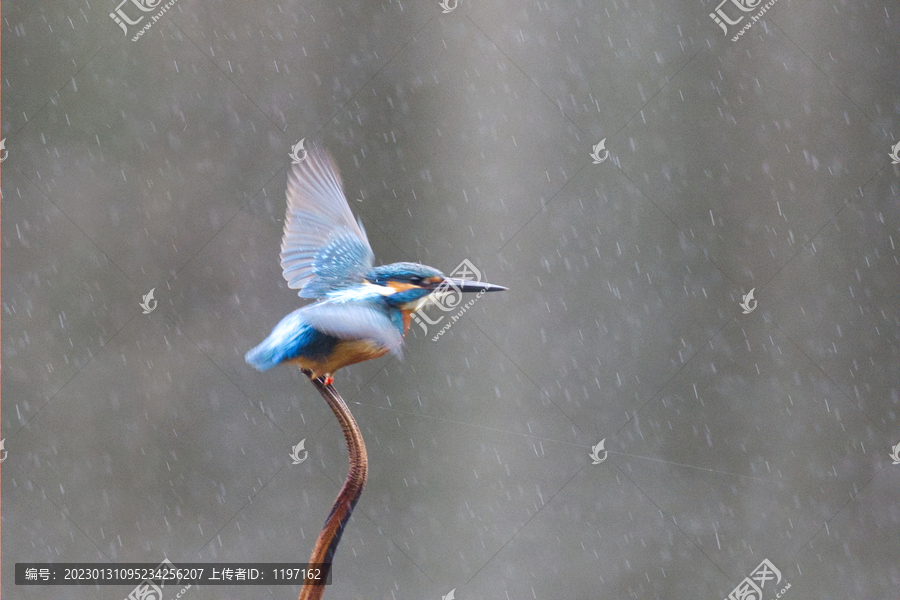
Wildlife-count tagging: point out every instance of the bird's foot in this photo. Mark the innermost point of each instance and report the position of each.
(325, 379)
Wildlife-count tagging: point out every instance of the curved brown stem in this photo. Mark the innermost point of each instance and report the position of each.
(330, 536)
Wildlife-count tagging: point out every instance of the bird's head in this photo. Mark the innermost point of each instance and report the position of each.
(408, 285)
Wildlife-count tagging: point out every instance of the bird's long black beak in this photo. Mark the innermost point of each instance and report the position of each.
(465, 285)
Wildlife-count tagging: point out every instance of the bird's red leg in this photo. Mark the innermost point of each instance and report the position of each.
(325, 379)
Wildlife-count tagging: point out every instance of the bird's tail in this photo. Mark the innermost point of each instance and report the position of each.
(263, 357)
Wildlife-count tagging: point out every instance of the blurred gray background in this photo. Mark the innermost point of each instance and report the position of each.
(731, 438)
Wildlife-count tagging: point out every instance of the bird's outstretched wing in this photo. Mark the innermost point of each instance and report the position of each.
(353, 321)
(324, 248)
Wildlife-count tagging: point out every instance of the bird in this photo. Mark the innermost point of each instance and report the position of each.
(361, 311)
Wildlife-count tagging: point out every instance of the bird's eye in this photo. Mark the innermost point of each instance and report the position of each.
(415, 280)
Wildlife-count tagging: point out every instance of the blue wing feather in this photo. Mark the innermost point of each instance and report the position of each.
(313, 332)
(355, 321)
(324, 248)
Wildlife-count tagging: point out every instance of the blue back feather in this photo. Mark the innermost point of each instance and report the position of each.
(291, 338)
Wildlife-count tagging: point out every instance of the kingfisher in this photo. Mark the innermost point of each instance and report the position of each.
(361, 312)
